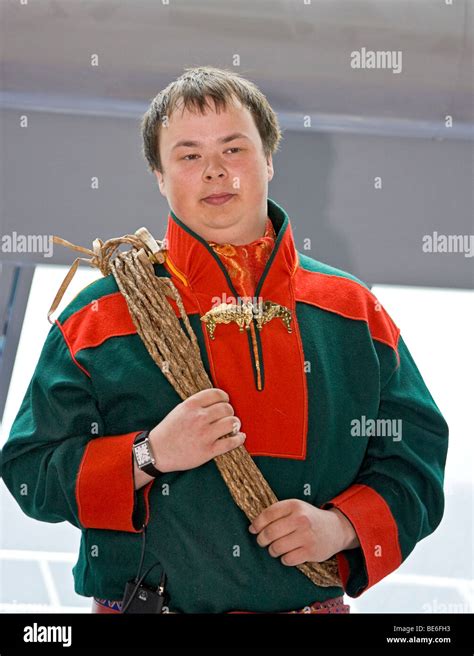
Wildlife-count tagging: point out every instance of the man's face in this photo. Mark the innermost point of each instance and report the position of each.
(238, 166)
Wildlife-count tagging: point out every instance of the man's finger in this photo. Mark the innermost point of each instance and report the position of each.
(208, 396)
(285, 544)
(276, 530)
(295, 557)
(272, 513)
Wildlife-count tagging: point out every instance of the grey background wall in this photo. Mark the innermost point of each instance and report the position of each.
(83, 121)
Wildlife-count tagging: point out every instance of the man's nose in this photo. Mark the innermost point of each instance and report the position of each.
(214, 170)
(209, 175)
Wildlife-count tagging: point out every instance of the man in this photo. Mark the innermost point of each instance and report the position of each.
(315, 399)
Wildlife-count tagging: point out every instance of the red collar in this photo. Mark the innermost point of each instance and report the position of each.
(245, 263)
(194, 262)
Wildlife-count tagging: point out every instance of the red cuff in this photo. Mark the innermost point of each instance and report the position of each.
(376, 529)
(105, 486)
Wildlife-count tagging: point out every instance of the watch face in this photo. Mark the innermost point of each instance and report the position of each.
(143, 455)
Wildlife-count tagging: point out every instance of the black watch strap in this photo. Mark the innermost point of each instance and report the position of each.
(144, 455)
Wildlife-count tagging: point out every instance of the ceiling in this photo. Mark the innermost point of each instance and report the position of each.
(299, 54)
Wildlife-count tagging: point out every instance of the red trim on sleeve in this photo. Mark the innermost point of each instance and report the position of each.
(105, 487)
(344, 569)
(348, 298)
(376, 529)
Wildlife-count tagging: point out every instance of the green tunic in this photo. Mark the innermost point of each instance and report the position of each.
(335, 411)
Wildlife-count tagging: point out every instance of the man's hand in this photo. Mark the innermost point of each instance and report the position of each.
(193, 432)
(297, 532)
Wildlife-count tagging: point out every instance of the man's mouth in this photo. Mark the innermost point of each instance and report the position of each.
(218, 199)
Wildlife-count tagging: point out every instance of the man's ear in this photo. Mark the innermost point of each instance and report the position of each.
(161, 181)
(270, 167)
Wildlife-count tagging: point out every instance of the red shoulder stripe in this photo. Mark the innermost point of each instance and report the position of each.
(70, 349)
(105, 317)
(108, 316)
(349, 299)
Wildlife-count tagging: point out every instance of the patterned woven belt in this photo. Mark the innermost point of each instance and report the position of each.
(335, 605)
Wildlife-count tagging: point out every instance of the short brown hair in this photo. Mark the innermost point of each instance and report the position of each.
(195, 88)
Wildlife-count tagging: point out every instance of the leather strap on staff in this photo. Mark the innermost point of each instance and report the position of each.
(100, 257)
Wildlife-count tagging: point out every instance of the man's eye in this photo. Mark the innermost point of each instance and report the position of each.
(235, 148)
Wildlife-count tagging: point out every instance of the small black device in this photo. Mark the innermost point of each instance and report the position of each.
(141, 598)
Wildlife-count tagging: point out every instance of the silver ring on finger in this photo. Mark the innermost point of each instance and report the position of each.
(237, 426)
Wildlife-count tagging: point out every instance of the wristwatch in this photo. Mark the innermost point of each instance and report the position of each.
(143, 454)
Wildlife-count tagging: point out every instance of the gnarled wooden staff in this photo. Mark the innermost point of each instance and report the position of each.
(179, 358)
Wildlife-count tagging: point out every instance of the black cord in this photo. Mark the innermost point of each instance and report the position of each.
(142, 557)
(138, 579)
